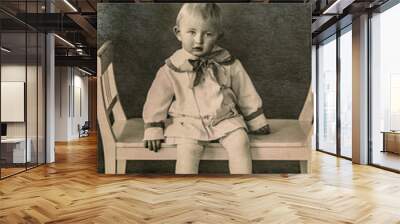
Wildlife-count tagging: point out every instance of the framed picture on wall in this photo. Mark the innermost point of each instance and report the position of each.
(12, 101)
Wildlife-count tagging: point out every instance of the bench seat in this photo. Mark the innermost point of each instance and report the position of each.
(289, 140)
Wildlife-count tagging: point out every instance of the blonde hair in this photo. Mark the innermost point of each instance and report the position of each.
(206, 11)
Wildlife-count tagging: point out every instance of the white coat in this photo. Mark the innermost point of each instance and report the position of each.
(224, 100)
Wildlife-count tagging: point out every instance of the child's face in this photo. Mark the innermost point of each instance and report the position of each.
(198, 36)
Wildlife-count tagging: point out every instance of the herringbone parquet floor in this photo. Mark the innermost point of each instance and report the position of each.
(70, 191)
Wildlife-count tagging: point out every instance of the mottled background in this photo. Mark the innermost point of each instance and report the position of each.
(273, 41)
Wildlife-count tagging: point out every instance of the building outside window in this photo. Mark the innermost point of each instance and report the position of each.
(334, 82)
(327, 95)
(346, 92)
(385, 88)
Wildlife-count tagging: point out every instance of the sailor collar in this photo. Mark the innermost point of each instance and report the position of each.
(179, 61)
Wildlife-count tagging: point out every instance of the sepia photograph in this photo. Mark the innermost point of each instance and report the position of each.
(205, 85)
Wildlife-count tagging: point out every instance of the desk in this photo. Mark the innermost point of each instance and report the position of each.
(16, 147)
(391, 141)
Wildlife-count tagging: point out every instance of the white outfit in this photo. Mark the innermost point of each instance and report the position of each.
(202, 106)
(236, 143)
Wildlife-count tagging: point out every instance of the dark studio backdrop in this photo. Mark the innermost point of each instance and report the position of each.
(273, 41)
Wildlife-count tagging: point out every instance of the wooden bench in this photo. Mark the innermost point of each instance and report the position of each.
(122, 139)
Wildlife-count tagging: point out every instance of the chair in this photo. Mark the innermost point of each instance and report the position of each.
(84, 129)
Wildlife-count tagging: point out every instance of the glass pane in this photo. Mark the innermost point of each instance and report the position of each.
(23, 82)
(31, 98)
(327, 96)
(386, 89)
(31, 87)
(346, 93)
(41, 98)
(13, 86)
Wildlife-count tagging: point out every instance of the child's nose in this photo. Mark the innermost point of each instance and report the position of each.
(198, 38)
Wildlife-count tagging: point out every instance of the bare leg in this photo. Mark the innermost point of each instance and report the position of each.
(188, 155)
(237, 145)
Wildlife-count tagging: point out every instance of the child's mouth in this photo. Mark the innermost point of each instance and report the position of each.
(198, 48)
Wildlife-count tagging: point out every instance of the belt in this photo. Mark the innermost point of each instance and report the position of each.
(209, 120)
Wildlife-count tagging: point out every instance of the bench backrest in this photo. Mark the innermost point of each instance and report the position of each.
(109, 108)
(307, 113)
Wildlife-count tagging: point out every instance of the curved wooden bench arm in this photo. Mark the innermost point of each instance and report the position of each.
(307, 113)
(108, 105)
(103, 48)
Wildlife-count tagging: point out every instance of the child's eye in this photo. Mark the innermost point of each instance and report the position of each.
(209, 34)
(192, 32)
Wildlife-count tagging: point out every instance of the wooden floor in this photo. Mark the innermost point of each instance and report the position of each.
(8, 171)
(5, 172)
(387, 159)
(70, 191)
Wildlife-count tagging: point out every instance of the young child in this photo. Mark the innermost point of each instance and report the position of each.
(205, 93)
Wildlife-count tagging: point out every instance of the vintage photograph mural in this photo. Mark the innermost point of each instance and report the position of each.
(204, 88)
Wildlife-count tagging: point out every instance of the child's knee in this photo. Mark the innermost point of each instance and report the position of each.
(190, 150)
(237, 139)
(188, 158)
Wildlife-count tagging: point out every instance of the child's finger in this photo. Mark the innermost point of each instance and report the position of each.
(153, 145)
(158, 145)
(268, 129)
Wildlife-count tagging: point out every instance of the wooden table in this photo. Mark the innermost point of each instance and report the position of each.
(13, 150)
(391, 141)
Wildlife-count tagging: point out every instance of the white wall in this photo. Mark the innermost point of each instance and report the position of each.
(33, 126)
(10, 73)
(62, 80)
(80, 110)
(71, 102)
(13, 72)
(16, 73)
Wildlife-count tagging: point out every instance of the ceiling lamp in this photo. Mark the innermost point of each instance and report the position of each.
(65, 41)
(70, 5)
(84, 71)
(337, 7)
(5, 50)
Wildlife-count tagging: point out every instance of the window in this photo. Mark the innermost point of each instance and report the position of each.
(346, 92)
(334, 106)
(385, 87)
(327, 95)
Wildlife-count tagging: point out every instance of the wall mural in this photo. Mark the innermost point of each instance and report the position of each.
(193, 75)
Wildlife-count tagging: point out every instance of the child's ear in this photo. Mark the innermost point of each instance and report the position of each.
(177, 32)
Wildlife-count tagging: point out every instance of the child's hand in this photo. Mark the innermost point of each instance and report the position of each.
(262, 131)
(153, 145)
